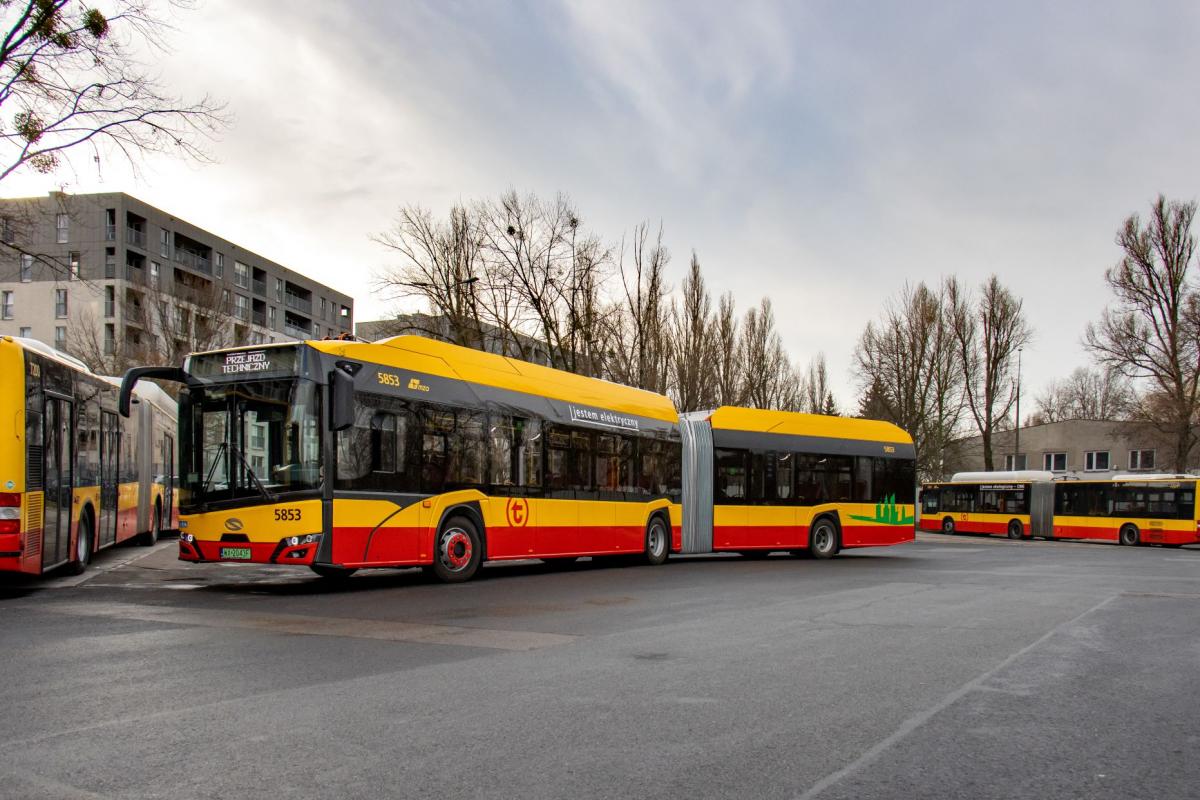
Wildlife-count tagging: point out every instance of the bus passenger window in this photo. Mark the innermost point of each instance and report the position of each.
(730, 474)
(383, 442)
(558, 451)
(529, 456)
(502, 435)
(581, 478)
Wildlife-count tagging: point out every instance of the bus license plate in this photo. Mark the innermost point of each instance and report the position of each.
(235, 552)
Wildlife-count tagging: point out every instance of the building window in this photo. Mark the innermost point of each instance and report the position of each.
(219, 264)
(164, 243)
(1016, 462)
(26, 268)
(1054, 462)
(1141, 459)
(271, 317)
(279, 290)
(241, 275)
(316, 331)
(154, 268)
(345, 313)
(73, 259)
(60, 337)
(110, 338)
(110, 301)
(110, 262)
(6, 305)
(110, 224)
(322, 308)
(26, 332)
(62, 228)
(1095, 461)
(241, 307)
(60, 303)
(7, 232)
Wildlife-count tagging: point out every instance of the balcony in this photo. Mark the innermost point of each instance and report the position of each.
(110, 233)
(135, 237)
(260, 287)
(259, 318)
(135, 275)
(296, 333)
(297, 303)
(193, 260)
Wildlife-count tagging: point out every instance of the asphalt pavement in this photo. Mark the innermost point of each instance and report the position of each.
(952, 667)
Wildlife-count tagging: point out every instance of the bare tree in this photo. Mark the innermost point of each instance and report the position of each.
(908, 363)
(768, 380)
(817, 396)
(69, 77)
(987, 333)
(693, 348)
(729, 367)
(1153, 330)
(641, 345)
(442, 263)
(1086, 393)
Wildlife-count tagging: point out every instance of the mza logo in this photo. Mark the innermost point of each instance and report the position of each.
(416, 385)
(517, 512)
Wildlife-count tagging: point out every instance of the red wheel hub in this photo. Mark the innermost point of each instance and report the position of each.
(456, 549)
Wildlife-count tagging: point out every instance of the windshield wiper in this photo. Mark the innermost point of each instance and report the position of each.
(263, 489)
(213, 468)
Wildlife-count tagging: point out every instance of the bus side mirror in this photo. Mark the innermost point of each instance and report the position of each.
(341, 406)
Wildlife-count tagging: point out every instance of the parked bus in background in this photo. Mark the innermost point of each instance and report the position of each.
(76, 477)
(757, 481)
(341, 455)
(998, 503)
(1128, 509)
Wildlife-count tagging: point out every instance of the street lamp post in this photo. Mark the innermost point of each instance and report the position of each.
(1017, 428)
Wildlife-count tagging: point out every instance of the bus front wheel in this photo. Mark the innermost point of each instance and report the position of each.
(947, 525)
(83, 546)
(657, 542)
(1129, 535)
(822, 539)
(459, 551)
(1016, 530)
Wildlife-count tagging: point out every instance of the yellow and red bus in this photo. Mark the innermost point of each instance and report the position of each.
(997, 503)
(1127, 509)
(342, 455)
(75, 477)
(806, 483)
(412, 452)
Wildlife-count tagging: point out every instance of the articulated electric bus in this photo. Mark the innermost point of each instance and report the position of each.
(76, 477)
(345, 455)
(1128, 509)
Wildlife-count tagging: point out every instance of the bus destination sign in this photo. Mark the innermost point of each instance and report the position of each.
(252, 361)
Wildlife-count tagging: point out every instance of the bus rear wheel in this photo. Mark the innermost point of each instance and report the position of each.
(150, 537)
(1129, 535)
(657, 542)
(823, 539)
(459, 551)
(83, 546)
(1016, 530)
(948, 525)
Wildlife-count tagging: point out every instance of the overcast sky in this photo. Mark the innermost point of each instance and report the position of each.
(819, 153)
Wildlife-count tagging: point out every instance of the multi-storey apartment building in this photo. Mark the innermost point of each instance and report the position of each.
(112, 279)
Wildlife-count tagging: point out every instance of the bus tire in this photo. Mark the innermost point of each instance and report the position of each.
(458, 550)
(1016, 530)
(823, 539)
(948, 525)
(332, 573)
(1129, 536)
(658, 542)
(83, 545)
(150, 537)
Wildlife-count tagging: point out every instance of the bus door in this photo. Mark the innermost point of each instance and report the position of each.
(110, 444)
(168, 481)
(56, 470)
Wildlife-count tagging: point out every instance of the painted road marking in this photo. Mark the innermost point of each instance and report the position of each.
(296, 624)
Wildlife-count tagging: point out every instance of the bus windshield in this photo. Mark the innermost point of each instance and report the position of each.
(252, 439)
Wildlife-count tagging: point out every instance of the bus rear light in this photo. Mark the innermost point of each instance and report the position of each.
(9, 500)
(10, 517)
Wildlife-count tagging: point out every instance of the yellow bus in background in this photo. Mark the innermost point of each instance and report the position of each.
(75, 477)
